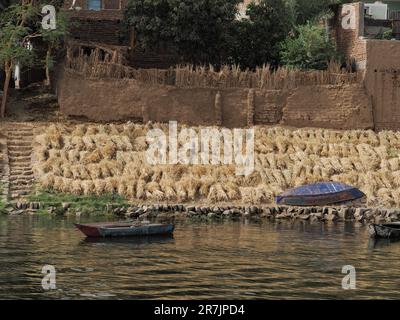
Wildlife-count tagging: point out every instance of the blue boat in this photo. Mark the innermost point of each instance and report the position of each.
(319, 194)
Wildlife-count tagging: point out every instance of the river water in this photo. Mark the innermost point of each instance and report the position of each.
(230, 260)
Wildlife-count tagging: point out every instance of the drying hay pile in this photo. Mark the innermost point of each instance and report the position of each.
(97, 159)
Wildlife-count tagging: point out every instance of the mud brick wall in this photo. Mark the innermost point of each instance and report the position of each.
(383, 83)
(269, 105)
(99, 100)
(336, 107)
(348, 41)
(339, 107)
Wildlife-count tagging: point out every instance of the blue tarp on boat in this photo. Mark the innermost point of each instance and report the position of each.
(321, 193)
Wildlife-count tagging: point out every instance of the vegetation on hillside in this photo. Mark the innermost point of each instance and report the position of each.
(20, 25)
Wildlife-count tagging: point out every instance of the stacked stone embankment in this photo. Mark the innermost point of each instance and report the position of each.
(333, 213)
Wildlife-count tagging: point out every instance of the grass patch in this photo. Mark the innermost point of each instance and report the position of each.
(83, 203)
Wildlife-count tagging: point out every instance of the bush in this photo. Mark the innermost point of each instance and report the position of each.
(195, 29)
(255, 41)
(308, 48)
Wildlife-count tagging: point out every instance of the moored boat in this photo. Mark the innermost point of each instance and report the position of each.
(386, 230)
(124, 229)
(319, 194)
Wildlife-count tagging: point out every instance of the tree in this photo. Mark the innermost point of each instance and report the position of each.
(255, 40)
(14, 32)
(309, 48)
(305, 11)
(194, 29)
(53, 38)
(20, 23)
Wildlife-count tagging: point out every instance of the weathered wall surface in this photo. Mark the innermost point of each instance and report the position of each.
(99, 100)
(339, 106)
(383, 83)
(344, 107)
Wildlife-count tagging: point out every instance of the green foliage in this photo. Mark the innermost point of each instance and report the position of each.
(195, 29)
(309, 48)
(85, 204)
(14, 29)
(255, 41)
(387, 35)
(207, 31)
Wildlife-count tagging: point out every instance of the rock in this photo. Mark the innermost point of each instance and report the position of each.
(331, 216)
(359, 214)
(16, 212)
(211, 215)
(144, 216)
(304, 216)
(227, 213)
(139, 211)
(236, 212)
(283, 215)
(192, 213)
(253, 210)
(204, 210)
(65, 205)
(78, 213)
(216, 210)
(317, 215)
(345, 214)
(267, 212)
(190, 208)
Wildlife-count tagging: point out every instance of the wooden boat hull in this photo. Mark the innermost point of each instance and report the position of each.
(385, 231)
(124, 229)
(146, 230)
(319, 194)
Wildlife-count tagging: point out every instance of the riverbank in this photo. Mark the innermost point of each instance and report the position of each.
(115, 205)
(95, 160)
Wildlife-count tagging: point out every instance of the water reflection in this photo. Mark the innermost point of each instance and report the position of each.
(210, 260)
(130, 240)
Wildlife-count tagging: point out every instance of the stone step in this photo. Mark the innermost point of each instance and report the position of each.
(21, 184)
(24, 153)
(25, 174)
(17, 142)
(20, 133)
(24, 177)
(19, 148)
(20, 144)
(24, 190)
(20, 158)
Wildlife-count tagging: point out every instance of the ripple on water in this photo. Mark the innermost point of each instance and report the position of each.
(205, 261)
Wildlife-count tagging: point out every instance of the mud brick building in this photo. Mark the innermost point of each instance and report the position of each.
(97, 20)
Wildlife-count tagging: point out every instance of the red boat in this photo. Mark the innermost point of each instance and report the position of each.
(124, 229)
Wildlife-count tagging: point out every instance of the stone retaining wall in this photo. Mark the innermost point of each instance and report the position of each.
(168, 211)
